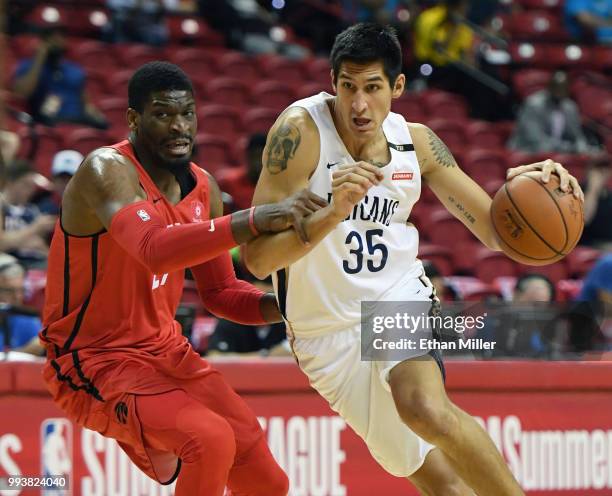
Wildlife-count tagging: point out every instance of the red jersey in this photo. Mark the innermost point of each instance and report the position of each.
(100, 302)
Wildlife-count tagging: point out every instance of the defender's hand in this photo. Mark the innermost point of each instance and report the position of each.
(350, 185)
(292, 212)
(546, 168)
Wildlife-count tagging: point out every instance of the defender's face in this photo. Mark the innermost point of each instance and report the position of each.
(364, 95)
(167, 127)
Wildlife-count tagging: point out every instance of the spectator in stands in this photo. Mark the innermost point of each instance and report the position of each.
(240, 183)
(532, 288)
(141, 21)
(591, 319)
(598, 204)
(19, 332)
(53, 86)
(247, 26)
(24, 230)
(549, 121)
(589, 20)
(64, 166)
(9, 144)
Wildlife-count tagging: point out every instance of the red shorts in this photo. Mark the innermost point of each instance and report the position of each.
(100, 393)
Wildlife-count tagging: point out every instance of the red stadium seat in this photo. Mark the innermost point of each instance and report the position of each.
(192, 30)
(319, 70)
(516, 158)
(444, 105)
(220, 120)
(440, 256)
(536, 25)
(273, 94)
(601, 58)
(97, 85)
(581, 259)
(49, 14)
(555, 272)
(492, 186)
(529, 54)
(133, 55)
(449, 131)
(259, 120)
(50, 141)
(283, 69)
(196, 62)
(213, 152)
(94, 55)
(491, 264)
(567, 56)
(444, 229)
(464, 254)
(115, 110)
(88, 22)
(87, 140)
(410, 106)
(553, 5)
(119, 80)
(569, 289)
(482, 135)
(486, 164)
(309, 89)
(238, 65)
(528, 81)
(228, 91)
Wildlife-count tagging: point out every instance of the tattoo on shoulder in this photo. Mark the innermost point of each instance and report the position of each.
(441, 152)
(283, 145)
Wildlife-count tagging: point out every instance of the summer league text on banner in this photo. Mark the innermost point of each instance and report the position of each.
(400, 330)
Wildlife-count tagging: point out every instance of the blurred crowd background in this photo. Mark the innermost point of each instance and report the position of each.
(503, 82)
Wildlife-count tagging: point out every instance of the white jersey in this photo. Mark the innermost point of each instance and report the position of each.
(372, 254)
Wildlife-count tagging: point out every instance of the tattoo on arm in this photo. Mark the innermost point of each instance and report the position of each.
(461, 209)
(283, 145)
(441, 152)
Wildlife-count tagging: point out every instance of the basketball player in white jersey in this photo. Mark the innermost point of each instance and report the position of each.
(369, 163)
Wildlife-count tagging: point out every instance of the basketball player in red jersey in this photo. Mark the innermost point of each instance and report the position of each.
(135, 215)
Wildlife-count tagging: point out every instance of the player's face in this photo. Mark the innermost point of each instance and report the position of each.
(363, 96)
(167, 127)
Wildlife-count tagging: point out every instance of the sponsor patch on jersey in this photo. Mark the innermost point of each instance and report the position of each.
(142, 213)
(402, 176)
(197, 210)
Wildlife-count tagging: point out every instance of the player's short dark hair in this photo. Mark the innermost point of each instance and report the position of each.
(152, 77)
(522, 281)
(365, 43)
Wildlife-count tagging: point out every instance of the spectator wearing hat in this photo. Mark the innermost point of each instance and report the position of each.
(53, 86)
(19, 332)
(64, 166)
(24, 229)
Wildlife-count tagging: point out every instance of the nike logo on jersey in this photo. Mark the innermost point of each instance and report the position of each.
(212, 226)
(330, 165)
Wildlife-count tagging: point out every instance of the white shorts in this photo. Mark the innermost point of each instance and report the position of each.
(359, 392)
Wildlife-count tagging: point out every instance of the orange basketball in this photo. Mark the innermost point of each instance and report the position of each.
(536, 223)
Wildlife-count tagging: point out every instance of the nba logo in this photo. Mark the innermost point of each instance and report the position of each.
(56, 453)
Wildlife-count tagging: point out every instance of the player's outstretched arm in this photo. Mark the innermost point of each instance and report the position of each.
(106, 194)
(222, 293)
(462, 197)
(290, 158)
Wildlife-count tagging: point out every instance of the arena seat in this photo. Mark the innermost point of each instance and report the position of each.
(464, 254)
(283, 69)
(228, 91)
(97, 85)
(484, 163)
(86, 139)
(569, 289)
(94, 55)
(528, 81)
(50, 141)
(530, 54)
(212, 152)
(312, 88)
(191, 30)
(410, 106)
(566, 56)
(581, 259)
(119, 80)
(239, 65)
(88, 21)
(444, 229)
(491, 264)
(450, 131)
(220, 120)
(273, 94)
(197, 62)
(259, 120)
(318, 69)
(553, 5)
(492, 186)
(115, 110)
(482, 135)
(601, 58)
(555, 271)
(133, 55)
(537, 25)
(444, 105)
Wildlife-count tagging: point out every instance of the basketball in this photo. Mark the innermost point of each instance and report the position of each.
(536, 223)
